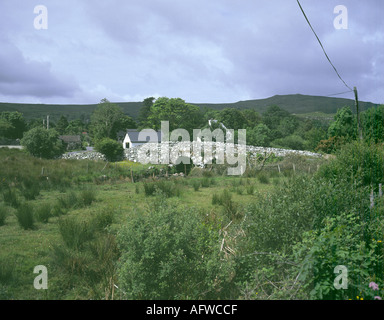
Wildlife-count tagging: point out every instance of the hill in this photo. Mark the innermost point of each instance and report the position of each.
(296, 104)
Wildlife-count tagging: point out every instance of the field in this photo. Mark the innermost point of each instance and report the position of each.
(118, 231)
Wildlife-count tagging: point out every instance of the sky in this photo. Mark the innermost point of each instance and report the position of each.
(203, 51)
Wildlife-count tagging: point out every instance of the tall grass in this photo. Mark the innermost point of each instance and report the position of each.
(75, 233)
(42, 212)
(3, 214)
(25, 217)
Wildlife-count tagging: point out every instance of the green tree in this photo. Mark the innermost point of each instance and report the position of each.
(179, 114)
(373, 124)
(145, 111)
(62, 124)
(273, 116)
(107, 119)
(12, 125)
(43, 143)
(75, 127)
(258, 136)
(344, 124)
(111, 149)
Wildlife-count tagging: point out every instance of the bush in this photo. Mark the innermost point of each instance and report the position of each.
(42, 143)
(111, 149)
(167, 188)
(24, 214)
(10, 197)
(168, 253)
(3, 213)
(263, 178)
(43, 212)
(196, 185)
(75, 233)
(86, 197)
(340, 242)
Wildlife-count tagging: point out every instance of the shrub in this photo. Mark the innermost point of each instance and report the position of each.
(149, 188)
(10, 197)
(75, 233)
(168, 253)
(86, 197)
(3, 213)
(30, 189)
(167, 188)
(24, 214)
(263, 178)
(111, 149)
(43, 212)
(68, 200)
(42, 143)
(196, 185)
(250, 189)
(103, 219)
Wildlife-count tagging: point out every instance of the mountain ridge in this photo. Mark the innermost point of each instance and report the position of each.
(294, 103)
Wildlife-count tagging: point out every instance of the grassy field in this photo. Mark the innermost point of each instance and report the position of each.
(83, 191)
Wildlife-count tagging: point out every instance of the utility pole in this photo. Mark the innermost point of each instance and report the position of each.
(358, 114)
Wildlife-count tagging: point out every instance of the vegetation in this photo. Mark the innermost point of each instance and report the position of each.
(124, 230)
(42, 143)
(112, 149)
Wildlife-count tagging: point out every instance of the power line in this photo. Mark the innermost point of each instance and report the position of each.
(336, 94)
(322, 46)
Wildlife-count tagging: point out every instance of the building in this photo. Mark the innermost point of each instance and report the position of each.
(72, 142)
(131, 138)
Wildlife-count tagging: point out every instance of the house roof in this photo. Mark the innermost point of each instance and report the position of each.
(70, 138)
(133, 135)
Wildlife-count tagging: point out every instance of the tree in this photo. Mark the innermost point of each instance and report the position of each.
(177, 112)
(108, 119)
(145, 111)
(232, 118)
(43, 143)
(111, 149)
(75, 127)
(373, 124)
(344, 124)
(62, 124)
(273, 116)
(12, 125)
(259, 135)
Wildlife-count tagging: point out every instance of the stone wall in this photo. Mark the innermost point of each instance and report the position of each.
(185, 148)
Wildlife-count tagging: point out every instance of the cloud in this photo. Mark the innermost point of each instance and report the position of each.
(201, 51)
(22, 77)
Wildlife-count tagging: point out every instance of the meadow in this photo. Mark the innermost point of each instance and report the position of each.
(117, 231)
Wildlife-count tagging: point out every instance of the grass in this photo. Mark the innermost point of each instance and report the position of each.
(75, 216)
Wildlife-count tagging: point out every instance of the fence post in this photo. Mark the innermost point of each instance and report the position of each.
(380, 190)
(278, 167)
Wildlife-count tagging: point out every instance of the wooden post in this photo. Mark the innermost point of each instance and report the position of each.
(380, 190)
(294, 168)
(358, 114)
(278, 167)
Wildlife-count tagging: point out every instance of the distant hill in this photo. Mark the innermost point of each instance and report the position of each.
(296, 103)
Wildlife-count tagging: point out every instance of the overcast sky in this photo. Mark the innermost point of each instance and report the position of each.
(199, 50)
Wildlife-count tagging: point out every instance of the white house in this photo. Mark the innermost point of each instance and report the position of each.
(133, 139)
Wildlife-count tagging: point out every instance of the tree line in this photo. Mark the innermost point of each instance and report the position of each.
(275, 127)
